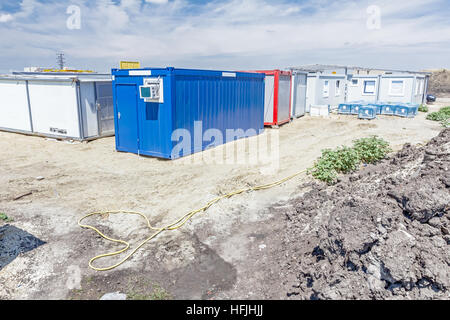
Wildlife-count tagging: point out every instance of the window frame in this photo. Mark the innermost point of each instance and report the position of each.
(364, 93)
(402, 94)
(326, 84)
(337, 90)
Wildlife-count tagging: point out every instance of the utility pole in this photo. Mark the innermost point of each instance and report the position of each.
(60, 60)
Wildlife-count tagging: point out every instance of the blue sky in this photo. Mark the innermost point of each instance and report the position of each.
(225, 34)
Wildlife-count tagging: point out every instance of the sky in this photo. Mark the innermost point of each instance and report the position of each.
(225, 34)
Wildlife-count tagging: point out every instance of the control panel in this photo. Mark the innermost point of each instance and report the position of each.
(152, 90)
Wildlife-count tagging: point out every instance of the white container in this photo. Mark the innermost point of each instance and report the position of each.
(64, 106)
(14, 109)
(319, 110)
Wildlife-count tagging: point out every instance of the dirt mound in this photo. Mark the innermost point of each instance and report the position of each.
(380, 233)
(439, 83)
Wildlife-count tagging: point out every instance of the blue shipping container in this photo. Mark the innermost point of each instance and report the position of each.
(170, 113)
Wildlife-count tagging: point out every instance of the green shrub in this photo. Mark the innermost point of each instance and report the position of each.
(371, 150)
(442, 116)
(345, 159)
(423, 108)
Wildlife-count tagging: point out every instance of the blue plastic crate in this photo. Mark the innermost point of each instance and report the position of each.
(344, 108)
(367, 112)
(388, 109)
(403, 110)
(378, 105)
(414, 108)
(355, 108)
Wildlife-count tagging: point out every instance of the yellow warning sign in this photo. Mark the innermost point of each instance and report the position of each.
(129, 65)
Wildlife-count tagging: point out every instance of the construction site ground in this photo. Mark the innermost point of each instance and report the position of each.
(230, 251)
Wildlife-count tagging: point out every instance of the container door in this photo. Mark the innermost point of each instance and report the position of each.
(300, 96)
(269, 99)
(105, 108)
(284, 98)
(127, 120)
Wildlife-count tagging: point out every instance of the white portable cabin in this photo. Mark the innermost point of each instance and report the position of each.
(403, 88)
(332, 85)
(325, 89)
(363, 88)
(67, 106)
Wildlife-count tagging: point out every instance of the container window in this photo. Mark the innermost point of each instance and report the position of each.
(396, 88)
(355, 82)
(369, 87)
(338, 88)
(326, 88)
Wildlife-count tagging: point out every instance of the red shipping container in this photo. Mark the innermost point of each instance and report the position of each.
(277, 104)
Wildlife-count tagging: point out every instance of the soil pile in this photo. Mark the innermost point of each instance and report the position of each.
(439, 83)
(380, 233)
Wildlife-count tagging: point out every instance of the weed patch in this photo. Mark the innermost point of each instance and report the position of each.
(442, 116)
(345, 159)
(5, 218)
(423, 108)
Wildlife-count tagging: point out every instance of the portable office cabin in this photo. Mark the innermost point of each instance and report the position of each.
(170, 113)
(325, 85)
(298, 93)
(277, 109)
(362, 84)
(325, 89)
(64, 106)
(402, 88)
(363, 88)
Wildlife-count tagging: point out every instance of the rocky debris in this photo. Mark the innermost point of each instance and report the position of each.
(380, 233)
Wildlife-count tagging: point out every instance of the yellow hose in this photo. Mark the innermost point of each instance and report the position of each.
(173, 226)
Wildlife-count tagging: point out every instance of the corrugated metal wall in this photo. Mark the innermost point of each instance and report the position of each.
(195, 102)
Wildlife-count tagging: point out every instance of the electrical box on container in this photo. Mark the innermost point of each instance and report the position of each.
(152, 90)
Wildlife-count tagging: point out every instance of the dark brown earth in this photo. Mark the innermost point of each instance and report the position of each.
(380, 233)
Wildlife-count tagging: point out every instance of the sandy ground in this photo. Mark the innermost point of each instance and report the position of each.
(206, 259)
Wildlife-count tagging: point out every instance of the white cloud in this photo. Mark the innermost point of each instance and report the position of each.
(6, 17)
(229, 34)
(157, 1)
